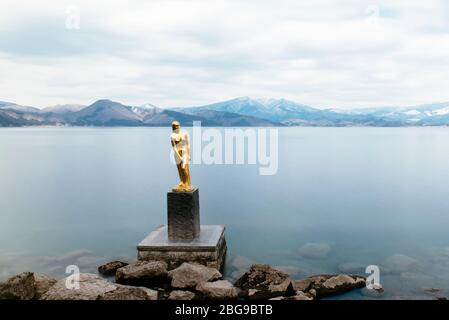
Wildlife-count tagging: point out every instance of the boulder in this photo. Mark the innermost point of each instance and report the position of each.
(339, 284)
(25, 286)
(217, 290)
(324, 285)
(306, 283)
(264, 282)
(110, 268)
(129, 293)
(189, 275)
(143, 273)
(181, 295)
(91, 286)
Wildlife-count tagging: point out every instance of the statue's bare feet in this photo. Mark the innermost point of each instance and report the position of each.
(181, 187)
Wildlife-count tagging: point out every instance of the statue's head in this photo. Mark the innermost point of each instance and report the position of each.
(175, 125)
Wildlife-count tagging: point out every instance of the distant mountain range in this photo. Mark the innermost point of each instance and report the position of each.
(236, 112)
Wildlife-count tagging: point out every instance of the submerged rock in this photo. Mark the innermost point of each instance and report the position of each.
(435, 292)
(143, 273)
(181, 295)
(25, 286)
(218, 290)
(352, 267)
(110, 268)
(264, 282)
(242, 262)
(399, 263)
(189, 275)
(314, 250)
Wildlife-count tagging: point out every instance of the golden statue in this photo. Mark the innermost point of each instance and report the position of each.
(181, 146)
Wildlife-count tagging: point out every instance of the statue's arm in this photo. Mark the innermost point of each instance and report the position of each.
(175, 149)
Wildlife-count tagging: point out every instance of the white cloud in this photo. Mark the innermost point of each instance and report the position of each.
(322, 53)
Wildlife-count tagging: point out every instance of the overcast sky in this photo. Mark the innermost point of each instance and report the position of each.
(173, 53)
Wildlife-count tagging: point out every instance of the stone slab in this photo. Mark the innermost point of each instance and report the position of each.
(183, 216)
(208, 249)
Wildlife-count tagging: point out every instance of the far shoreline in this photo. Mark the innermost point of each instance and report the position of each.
(208, 126)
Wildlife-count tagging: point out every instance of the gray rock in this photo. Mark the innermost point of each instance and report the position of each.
(264, 282)
(339, 284)
(129, 293)
(189, 275)
(307, 284)
(324, 285)
(91, 286)
(143, 273)
(25, 286)
(181, 295)
(110, 268)
(218, 290)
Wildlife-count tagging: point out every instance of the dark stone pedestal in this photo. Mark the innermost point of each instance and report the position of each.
(208, 249)
(183, 215)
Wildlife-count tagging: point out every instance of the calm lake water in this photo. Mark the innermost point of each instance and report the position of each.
(342, 199)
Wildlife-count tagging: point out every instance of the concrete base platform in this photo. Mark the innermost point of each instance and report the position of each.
(208, 249)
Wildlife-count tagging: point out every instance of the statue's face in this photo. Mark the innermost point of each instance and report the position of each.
(175, 125)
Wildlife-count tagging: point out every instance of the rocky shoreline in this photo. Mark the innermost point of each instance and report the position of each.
(152, 280)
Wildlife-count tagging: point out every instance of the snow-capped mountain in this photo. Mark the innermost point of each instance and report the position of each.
(17, 107)
(428, 114)
(242, 111)
(64, 108)
(269, 109)
(146, 109)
